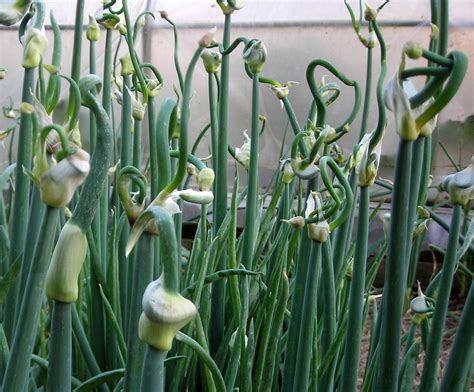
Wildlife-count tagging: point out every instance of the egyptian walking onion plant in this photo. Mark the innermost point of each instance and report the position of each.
(97, 292)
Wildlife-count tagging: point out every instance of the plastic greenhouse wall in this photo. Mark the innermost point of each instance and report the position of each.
(295, 32)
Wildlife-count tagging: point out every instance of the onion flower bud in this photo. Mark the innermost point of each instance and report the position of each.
(205, 179)
(460, 186)
(164, 314)
(35, 44)
(208, 38)
(422, 304)
(126, 66)
(367, 165)
(370, 41)
(255, 55)
(319, 231)
(370, 13)
(93, 30)
(66, 264)
(230, 6)
(242, 154)
(58, 183)
(282, 91)
(212, 60)
(3, 73)
(413, 50)
(397, 101)
(288, 173)
(198, 197)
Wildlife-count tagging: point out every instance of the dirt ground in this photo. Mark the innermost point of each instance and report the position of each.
(450, 328)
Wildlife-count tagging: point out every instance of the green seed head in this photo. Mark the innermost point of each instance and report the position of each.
(3, 73)
(164, 314)
(59, 182)
(122, 29)
(413, 50)
(198, 197)
(66, 263)
(288, 173)
(319, 232)
(126, 65)
(423, 212)
(93, 30)
(370, 13)
(397, 101)
(34, 46)
(297, 222)
(108, 21)
(255, 54)
(242, 154)
(206, 179)
(212, 60)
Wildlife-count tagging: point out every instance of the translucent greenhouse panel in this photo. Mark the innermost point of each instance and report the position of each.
(295, 32)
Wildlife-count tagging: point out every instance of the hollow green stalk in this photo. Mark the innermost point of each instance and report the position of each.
(163, 123)
(430, 368)
(17, 371)
(60, 348)
(343, 233)
(77, 45)
(320, 104)
(329, 320)
(183, 137)
(159, 331)
(356, 300)
(296, 313)
(142, 275)
(250, 231)
(125, 160)
(305, 342)
(153, 372)
(22, 182)
(220, 195)
(394, 287)
(87, 204)
(459, 368)
(137, 143)
(84, 347)
(415, 183)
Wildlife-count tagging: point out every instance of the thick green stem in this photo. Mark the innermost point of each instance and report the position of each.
(152, 149)
(162, 143)
(21, 196)
(344, 231)
(356, 301)
(84, 347)
(16, 375)
(296, 312)
(218, 290)
(77, 45)
(394, 286)
(430, 368)
(415, 181)
(153, 372)
(137, 144)
(305, 342)
(329, 320)
(252, 186)
(60, 349)
(143, 274)
(126, 128)
(459, 366)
